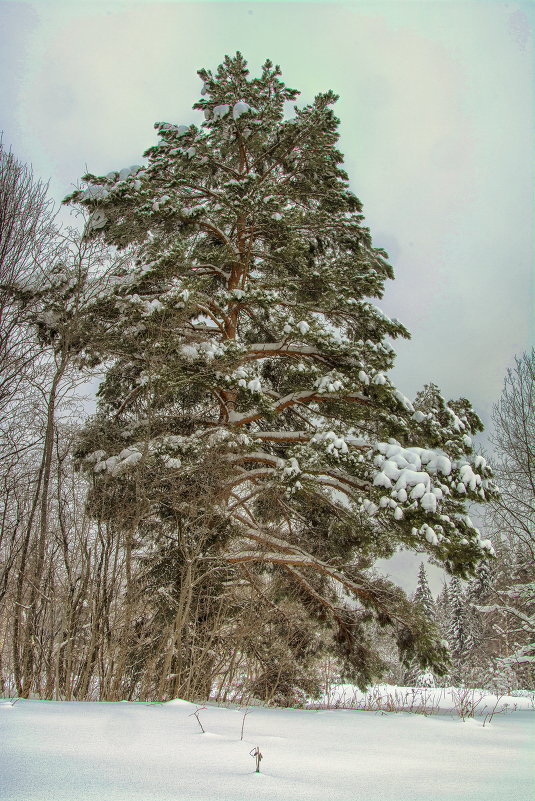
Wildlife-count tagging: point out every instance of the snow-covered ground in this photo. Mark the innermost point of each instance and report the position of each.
(464, 702)
(60, 751)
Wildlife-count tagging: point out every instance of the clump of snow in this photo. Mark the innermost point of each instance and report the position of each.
(328, 383)
(468, 477)
(435, 461)
(405, 402)
(431, 536)
(254, 385)
(95, 457)
(126, 172)
(172, 462)
(369, 507)
(415, 473)
(97, 220)
(334, 444)
(151, 306)
(120, 463)
(208, 350)
(220, 111)
(239, 109)
(94, 192)
(291, 467)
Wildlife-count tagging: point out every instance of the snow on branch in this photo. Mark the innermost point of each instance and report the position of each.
(296, 398)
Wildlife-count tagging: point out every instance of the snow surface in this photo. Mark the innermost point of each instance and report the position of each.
(60, 751)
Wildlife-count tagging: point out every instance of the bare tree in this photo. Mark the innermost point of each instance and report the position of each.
(28, 234)
(27, 216)
(50, 560)
(514, 441)
(510, 607)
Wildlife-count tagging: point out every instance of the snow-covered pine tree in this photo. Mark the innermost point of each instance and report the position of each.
(423, 595)
(479, 585)
(476, 593)
(442, 606)
(413, 674)
(460, 637)
(247, 423)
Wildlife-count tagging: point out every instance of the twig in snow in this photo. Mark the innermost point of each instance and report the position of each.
(243, 722)
(196, 714)
(257, 754)
(490, 715)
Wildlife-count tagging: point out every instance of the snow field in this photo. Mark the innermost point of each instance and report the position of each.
(60, 751)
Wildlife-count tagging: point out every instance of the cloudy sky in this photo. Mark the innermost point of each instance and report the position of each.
(437, 127)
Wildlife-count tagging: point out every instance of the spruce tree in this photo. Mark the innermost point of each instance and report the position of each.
(413, 675)
(423, 595)
(460, 634)
(442, 606)
(247, 427)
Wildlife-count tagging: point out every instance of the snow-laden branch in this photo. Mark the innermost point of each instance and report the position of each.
(250, 475)
(304, 396)
(262, 349)
(257, 456)
(338, 481)
(306, 436)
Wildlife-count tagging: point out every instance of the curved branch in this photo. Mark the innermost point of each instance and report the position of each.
(241, 419)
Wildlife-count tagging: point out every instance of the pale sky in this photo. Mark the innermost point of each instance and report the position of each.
(437, 127)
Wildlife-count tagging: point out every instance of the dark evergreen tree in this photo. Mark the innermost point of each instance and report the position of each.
(477, 593)
(478, 586)
(414, 675)
(460, 637)
(423, 596)
(248, 435)
(442, 606)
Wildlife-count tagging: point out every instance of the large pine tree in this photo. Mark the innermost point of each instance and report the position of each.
(247, 428)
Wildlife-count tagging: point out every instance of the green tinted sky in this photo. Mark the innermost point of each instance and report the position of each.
(437, 129)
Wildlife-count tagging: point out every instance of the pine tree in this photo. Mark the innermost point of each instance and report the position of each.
(460, 634)
(413, 675)
(476, 594)
(479, 585)
(443, 608)
(423, 595)
(457, 628)
(248, 435)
